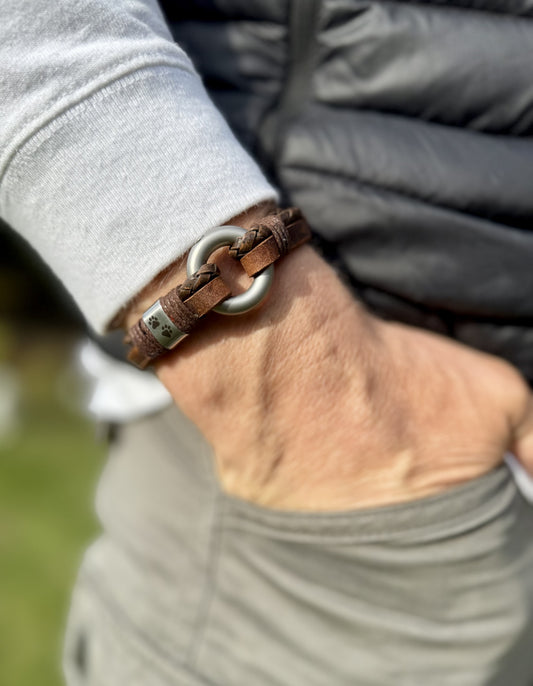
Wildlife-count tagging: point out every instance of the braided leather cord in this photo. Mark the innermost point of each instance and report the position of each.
(199, 279)
(273, 225)
(251, 238)
(260, 246)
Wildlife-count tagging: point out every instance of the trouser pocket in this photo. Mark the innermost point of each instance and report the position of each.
(438, 591)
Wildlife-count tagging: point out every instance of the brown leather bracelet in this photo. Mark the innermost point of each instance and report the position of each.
(173, 317)
(271, 238)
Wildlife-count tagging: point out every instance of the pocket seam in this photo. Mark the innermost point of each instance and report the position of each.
(486, 497)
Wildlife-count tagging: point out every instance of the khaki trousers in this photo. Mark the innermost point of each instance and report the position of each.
(189, 586)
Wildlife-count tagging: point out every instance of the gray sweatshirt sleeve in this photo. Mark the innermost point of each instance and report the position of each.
(113, 160)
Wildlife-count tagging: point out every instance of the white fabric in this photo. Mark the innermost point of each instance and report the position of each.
(113, 160)
(523, 480)
(119, 392)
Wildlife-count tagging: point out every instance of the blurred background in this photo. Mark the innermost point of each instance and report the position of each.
(50, 458)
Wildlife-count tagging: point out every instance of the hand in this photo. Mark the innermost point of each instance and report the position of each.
(311, 403)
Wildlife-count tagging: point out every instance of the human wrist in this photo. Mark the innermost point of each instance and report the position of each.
(254, 384)
(176, 272)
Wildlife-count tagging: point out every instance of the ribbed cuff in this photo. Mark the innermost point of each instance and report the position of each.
(120, 185)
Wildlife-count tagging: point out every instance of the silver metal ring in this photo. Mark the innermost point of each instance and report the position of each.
(198, 255)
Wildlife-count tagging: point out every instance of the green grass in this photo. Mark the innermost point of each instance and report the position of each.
(48, 472)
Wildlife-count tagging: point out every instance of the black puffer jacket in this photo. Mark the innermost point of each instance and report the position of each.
(404, 131)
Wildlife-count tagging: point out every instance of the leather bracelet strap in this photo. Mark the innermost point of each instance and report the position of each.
(175, 315)
(183, 305)
(270, 239)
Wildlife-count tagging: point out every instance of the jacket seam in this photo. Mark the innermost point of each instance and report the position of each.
(461, 8)
(327, 535)
(397, 113)
(296, 87)
(342, 176)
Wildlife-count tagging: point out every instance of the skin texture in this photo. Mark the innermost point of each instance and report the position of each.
(312, 403)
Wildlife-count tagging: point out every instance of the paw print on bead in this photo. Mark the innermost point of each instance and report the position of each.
(154, 322)
(166, 331)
